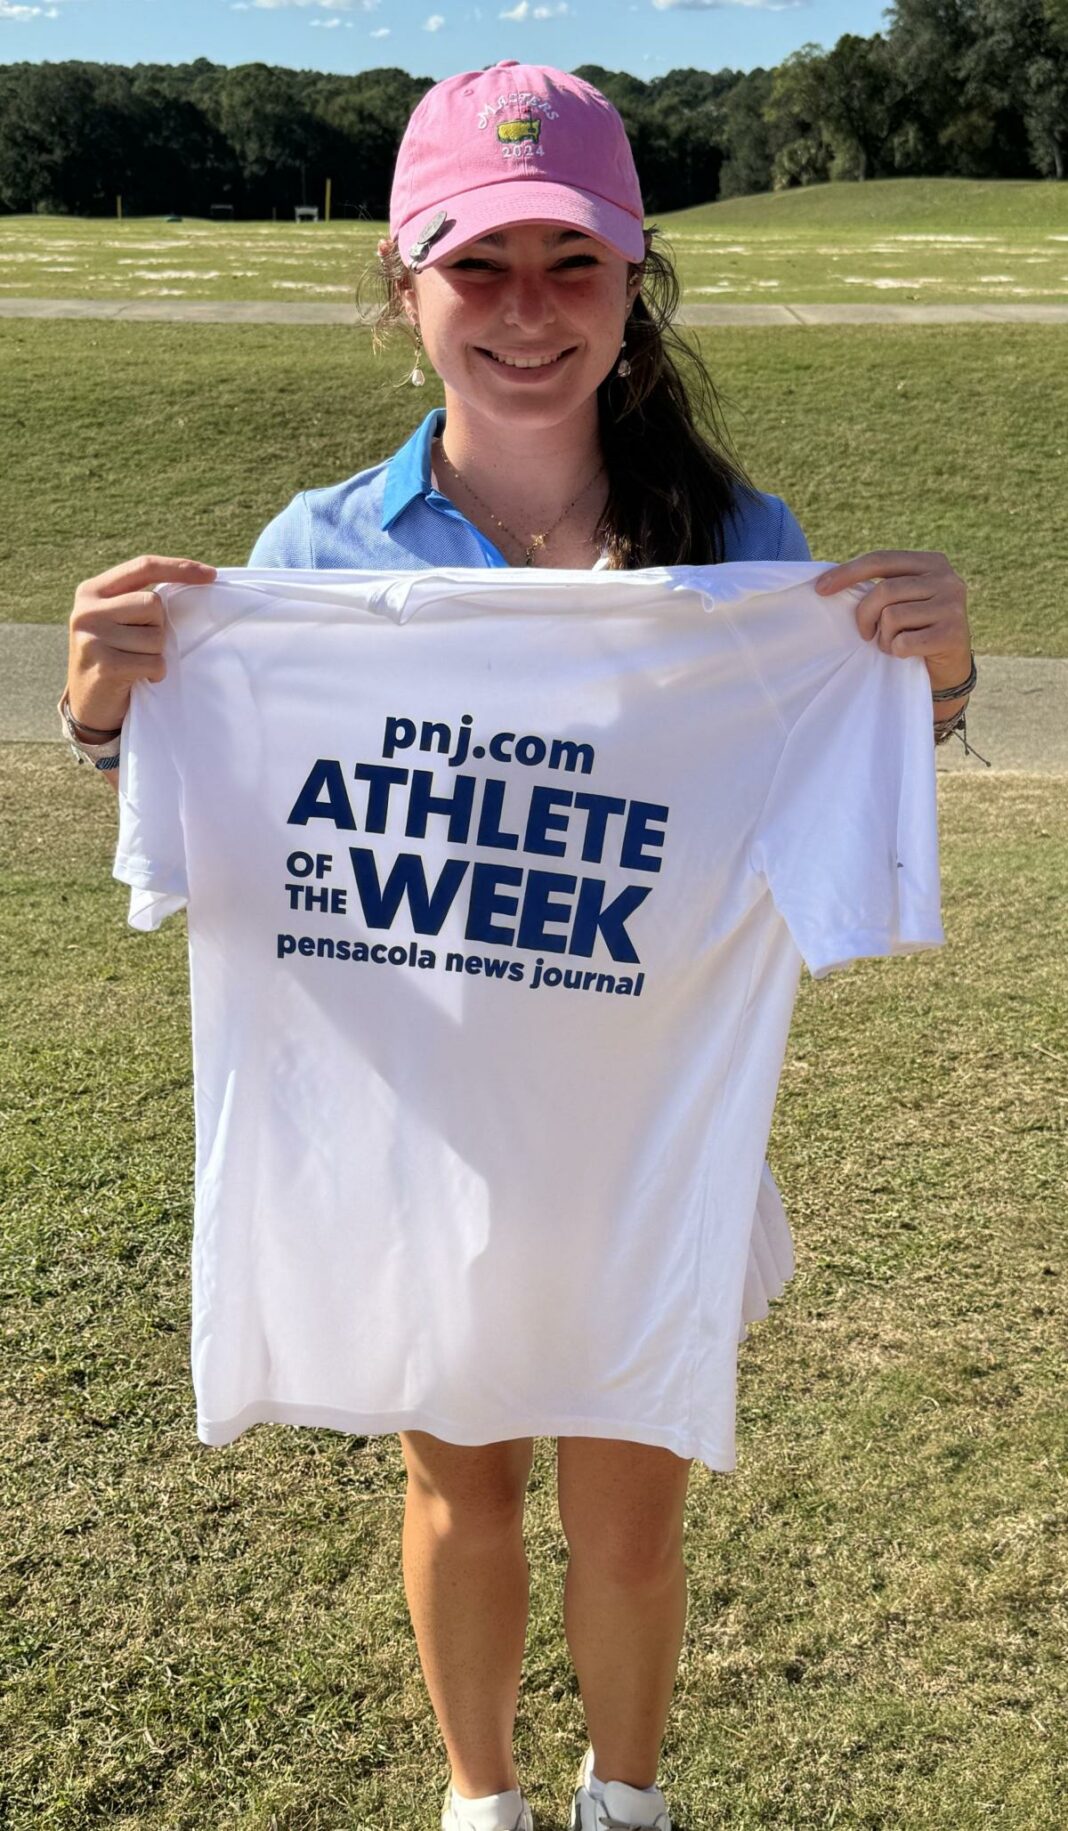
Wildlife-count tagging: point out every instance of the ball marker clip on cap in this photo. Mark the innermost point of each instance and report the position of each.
(515, 143)
(420, 248)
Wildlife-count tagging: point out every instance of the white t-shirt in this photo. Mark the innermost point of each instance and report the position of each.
(499, 887)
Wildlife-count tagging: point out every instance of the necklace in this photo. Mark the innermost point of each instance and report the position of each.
(536, 540)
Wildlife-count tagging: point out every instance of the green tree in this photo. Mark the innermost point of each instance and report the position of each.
(65, 137)
(684, 105)
(182, 162)
(743, 132)
(622, 89)
(367, 115)
(801, 149)
(1019, 65)
(256, 110)
(943, 131)
(861, 101)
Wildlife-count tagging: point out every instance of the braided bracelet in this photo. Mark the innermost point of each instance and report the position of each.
(965, 685)
(945, 727)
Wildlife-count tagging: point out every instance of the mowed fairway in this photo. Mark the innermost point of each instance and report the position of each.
(935, 241)
(177, 439)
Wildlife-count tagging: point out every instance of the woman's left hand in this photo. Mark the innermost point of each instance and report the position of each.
(918, 607)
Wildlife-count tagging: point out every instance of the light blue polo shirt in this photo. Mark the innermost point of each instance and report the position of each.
(391, 518)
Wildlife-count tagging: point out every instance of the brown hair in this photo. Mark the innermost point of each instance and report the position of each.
(671, 484)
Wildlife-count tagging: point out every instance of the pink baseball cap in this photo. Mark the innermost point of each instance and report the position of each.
(512, 144)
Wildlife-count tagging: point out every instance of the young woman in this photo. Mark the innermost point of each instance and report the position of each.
(569, 438)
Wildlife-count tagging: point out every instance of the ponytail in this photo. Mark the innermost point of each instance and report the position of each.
(671, 483)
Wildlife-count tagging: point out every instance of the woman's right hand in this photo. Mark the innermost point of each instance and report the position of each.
(116, 635)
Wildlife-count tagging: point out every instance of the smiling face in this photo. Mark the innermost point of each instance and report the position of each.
(523, 325)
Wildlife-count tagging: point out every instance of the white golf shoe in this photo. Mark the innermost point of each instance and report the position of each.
(623, 1808)
(451, 1820)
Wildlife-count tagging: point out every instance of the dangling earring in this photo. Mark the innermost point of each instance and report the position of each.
(417, 378)
(623, 366)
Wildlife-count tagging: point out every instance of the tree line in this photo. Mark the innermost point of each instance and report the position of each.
(953, 88)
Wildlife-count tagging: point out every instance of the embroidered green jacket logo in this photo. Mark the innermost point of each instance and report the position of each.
(512, 131)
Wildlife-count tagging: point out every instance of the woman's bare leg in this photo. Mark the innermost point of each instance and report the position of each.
(467, 1581)
(625, 1594)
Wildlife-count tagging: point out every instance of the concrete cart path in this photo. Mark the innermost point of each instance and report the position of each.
(1018, 720)
(270, 311)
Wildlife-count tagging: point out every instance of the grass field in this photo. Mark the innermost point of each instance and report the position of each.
(941, 241)
(877, 1612)
(124, 438)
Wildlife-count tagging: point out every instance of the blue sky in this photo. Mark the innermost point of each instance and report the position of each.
(431, 37)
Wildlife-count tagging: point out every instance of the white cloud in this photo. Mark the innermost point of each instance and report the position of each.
(326, 6)
(524, 10)
(715, 6)
(23, 13)
(434, 23)
(381, 31)
(327, 24)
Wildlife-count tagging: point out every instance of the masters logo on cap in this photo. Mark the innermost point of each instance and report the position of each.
(513, 131)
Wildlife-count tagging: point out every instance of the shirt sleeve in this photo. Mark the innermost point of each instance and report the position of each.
(847, 839)
(150, 851)
(286, 541)
(793, 543)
